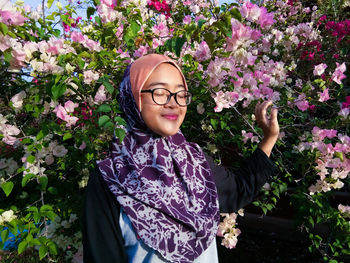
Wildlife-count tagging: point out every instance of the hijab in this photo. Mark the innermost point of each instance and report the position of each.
(163, 184)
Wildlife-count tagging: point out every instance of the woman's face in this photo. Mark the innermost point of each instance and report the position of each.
(164, 120)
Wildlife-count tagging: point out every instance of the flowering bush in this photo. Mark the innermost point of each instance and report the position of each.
(59, 110)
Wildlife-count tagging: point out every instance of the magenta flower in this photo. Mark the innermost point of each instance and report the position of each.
(66, 27)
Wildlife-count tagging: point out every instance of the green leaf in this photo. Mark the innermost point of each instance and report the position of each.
(210, 39)
(236, 14)
(53, 248)
(36, 217)
(104, 108)
(27, 178)
(109, 87)
(120, 134)
(7, 188)
(201, 22)
(3, 28)
(4, 235)
(103, 120)
(52, 190)
(98, 20)
(32, 209)
(120, 121)
(40, 135)
(43, 182)
(42, 251)
(45, 208)
(22, 246)
(90, 11)
(178, 45)
(214, 123)
(31, 159)
(58, 90)
(7, 55)
(67, 136)
(131, 32)
(51, 17)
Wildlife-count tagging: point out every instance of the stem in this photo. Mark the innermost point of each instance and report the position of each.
(43, 7)
(247, 122)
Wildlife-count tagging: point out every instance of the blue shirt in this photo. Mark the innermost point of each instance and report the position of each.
(139, 252)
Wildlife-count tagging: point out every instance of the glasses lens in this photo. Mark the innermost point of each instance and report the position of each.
(183, 97)
(160, 96)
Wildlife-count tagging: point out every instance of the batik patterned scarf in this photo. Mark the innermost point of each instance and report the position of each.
(164, 185)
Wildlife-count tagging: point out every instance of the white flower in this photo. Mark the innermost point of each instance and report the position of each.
(200, 108)
(49, 159)
(17, 100)
(59, 151)
(7, 216)
(69, 68)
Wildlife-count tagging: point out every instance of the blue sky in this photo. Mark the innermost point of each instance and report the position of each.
(35, 3)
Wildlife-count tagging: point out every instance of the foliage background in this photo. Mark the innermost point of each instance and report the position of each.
(59, 111)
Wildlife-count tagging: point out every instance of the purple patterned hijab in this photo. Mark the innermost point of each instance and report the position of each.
(164, 185)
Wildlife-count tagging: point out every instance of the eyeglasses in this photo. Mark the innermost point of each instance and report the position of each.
(162, 96)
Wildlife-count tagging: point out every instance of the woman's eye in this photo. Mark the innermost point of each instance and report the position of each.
(159, 93)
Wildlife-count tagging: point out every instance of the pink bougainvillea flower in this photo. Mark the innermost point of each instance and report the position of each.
(90, 76)
(70, 105)
(225, 100)
(5, 42)
(338, 74)
(9, 131)
(324, 96)
(302, 103)
(265, 18)
(100, 95)
(319, 69)
(119, 33)
(160, 30)
(141, 51)
(77, 37)
(62, 113)
(187, 20)
(12, 18)
(203, 52)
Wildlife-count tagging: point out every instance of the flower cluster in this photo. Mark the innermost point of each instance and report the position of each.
(227, 229)
(345, 210)
(161, 6)
(333, 164)
(8, 131)
(63, 113)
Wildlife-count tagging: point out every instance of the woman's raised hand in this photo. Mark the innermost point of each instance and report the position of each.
(269, 125)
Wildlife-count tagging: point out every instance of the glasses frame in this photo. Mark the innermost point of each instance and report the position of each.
(169, 97)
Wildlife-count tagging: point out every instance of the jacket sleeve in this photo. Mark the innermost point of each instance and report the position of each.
(239, 188)
(102, 237)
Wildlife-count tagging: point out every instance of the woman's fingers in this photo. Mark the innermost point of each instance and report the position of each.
(261, 112)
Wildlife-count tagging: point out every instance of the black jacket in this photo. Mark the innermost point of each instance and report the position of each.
(102, 236)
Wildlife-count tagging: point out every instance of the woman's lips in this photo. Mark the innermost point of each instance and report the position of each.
(172, 117)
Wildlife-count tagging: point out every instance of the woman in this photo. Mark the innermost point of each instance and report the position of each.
(158, 197)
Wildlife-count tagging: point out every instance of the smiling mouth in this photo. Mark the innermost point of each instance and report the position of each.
(172, 117)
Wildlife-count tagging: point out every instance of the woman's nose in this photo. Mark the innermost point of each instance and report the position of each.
(172, 102)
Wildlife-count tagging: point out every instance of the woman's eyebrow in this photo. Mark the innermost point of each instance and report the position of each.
(164, 84)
